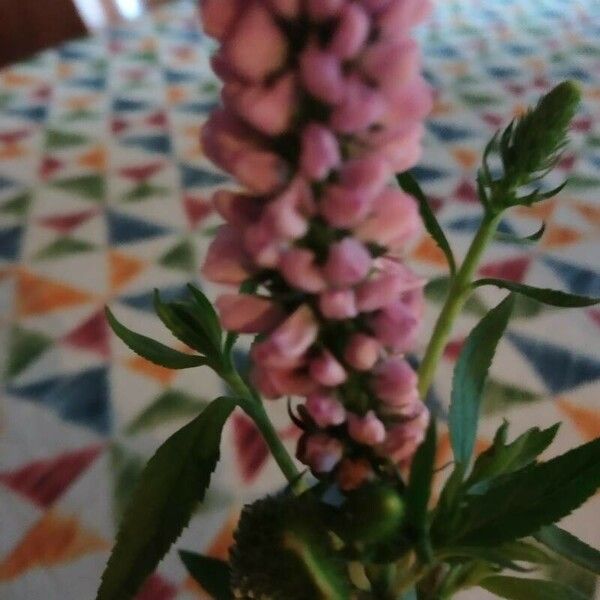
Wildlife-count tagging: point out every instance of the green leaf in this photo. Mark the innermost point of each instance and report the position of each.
(419, 490)
(570, 547)
(516, 588)
(212, 574)
(152, 350)
(532, 497)
(507, 238)
(503, 458)
(546, 296)
(469, 378)
(170, 405)
(411, 186)
(207, 316)
(173, 482)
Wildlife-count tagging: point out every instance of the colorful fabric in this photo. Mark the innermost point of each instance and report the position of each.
(104, 196)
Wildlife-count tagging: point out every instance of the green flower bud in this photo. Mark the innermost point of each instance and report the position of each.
(283, 551)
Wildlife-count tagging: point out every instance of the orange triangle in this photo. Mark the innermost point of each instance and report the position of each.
(144, 367)
(589, 212)
(65, 70)
(16, 79)
(54, 539)
(37, 295)
(543, 210)
(79, 102)
(122, 269)
(465, 157)
(427, 251)
(94, 159)
(441, 108)
(12, 151)
(557, 235)
(176, 94)
(586, 420)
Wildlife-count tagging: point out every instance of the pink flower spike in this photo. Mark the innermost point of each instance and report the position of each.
(395, 381)
(321, 10)
(338, 304)
(325, 410)
(239, 210)
(362, 351)
(262, 244)
(345, 207)
(327, 370)
(320, 152)
(360, 108)
(321, 452)
(322, 75)
(248, 314)
(403, 439)
(369, 174)
(300, 270)
(351, 33)
(401, 15)
(348, 262)
(396, 327)
(283, 215)
(226, 260)
(218, 16)
(392, 64)
(293, 382)
(260, 171)
(257, 47)
(368, 430)
(288, 9)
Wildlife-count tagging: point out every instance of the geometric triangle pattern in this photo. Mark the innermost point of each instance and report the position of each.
(105, 195)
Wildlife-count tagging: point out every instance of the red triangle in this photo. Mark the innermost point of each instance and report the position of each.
(119, 125)
(594, 314)
(567, 162)
(11, 137)
(43, 481)
(158, 119)
(49, 166)
(466, 192)
(196, 209)
(66, 223)
(251, 450)
(42, 93)
(542, 82)
(92, 335)
(515, 89)
(453, 348)
(156, 587)
(141, 173)
(584, 124)
(513, 269)
(492, 119)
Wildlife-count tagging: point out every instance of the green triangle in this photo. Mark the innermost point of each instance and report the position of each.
(17, 205)
(144, 191)
(148, 56)
(169, 406)
(583, 181)
(181, 256)
(126, 467)
(63, 139)
(5, 99)
(81, 114)
(92, 187)
(500, 397)
(23, 348)
(63, 246)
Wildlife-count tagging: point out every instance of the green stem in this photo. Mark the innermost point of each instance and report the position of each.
(256, 411)
(458, 294)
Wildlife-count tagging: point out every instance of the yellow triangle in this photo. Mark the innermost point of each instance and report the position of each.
(38, 295)
(586, 420)
(53, 540)
(122, 269)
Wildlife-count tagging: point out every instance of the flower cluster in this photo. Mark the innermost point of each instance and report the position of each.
(323, 102)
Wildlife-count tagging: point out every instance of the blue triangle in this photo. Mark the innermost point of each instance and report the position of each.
(471, 224)
(10, 242)
(578, 279)
(6, 183)
(151, 143)
(198, 108)
(123, 229)
(145, 300)
(34, 113)
(173, 76)
(426, 174)
(502, 72)
(91, 83)
(71, 52)
(35, 391)
(127, 104)
(449, 133)
(194, 176)
(559, 368)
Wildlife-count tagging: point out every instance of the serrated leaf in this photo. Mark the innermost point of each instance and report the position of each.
(173, 482)
(517, 588)
(170, 405)
(419, 490)
(507, 238)
(532, 497)
(493, 556)
(152, 350)
(207, 316)
(212, 574)
(570, 547)
(411, 186)
(502, 458)
(469, 378)
(543, 295)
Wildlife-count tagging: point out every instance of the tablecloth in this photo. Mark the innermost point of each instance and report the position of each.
(104, 195)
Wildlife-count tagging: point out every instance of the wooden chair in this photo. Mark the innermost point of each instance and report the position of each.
(27, 26)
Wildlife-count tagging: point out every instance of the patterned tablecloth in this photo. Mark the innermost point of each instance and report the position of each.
(104, 196)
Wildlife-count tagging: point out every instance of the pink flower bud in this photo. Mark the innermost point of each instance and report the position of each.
(352, 474)
(256, 47)
(368, 429)
(226, 260)
(369, 174)
(293, 382)
(322, 75)
(404, 150)
(345, 207)
(362, 351)
(325, 410)
(248, 314)
(300, 270)
(351, 32)
(395, 381)
(261, 172)
(396, 327)
(262, 244)
(288, 9)
(218, 16)
(360, 107)
(239, 210)
(321, 10)
(320, 152)
(402, 440)
(392, 63)
(269, 109)
(327, 370)
(348, 262)
(320, 452)
(338, 304)
(400, 15)
(283, 216)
